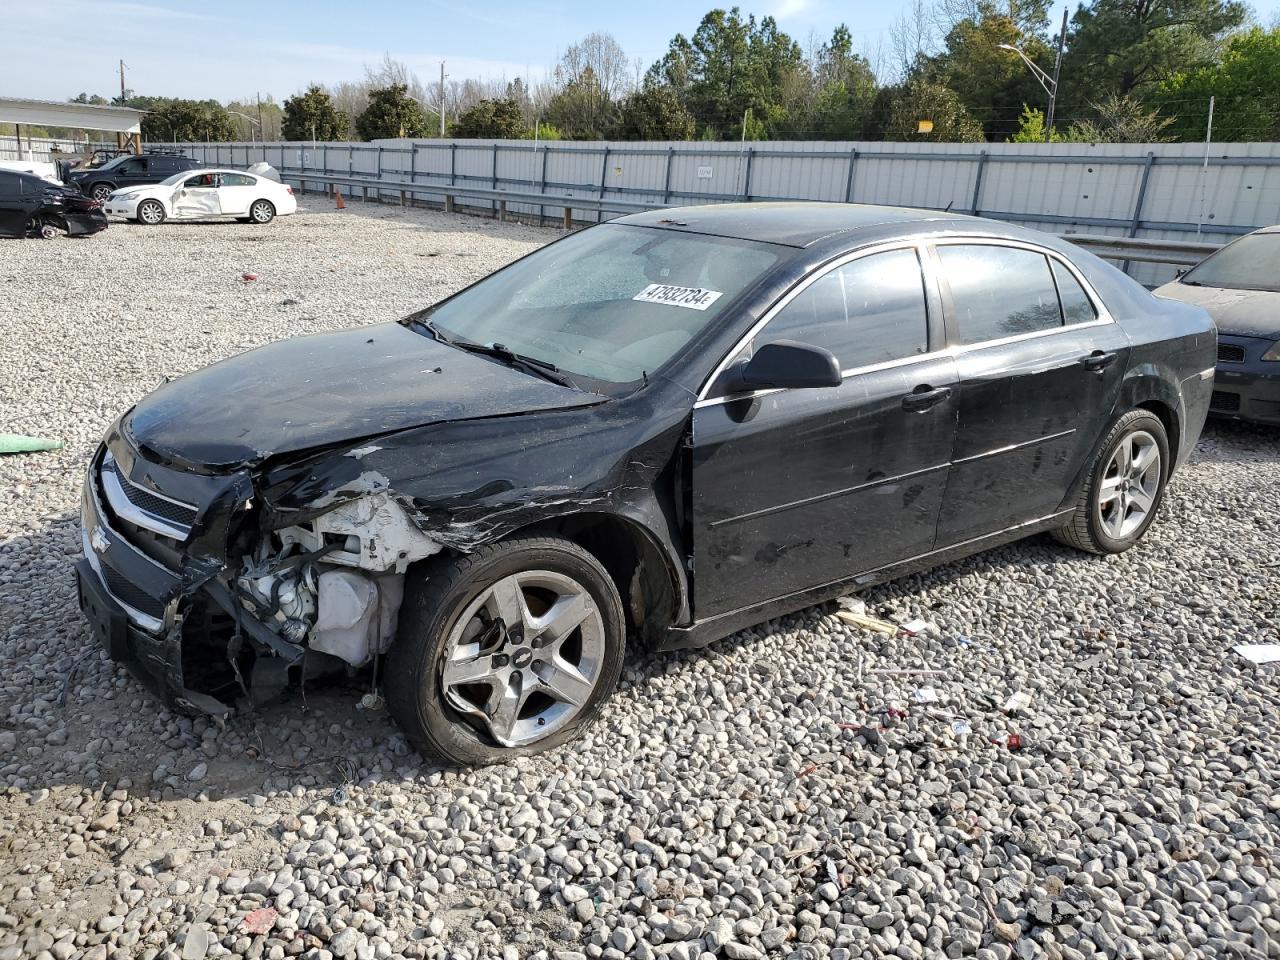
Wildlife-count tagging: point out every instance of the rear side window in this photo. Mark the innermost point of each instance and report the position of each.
(10, 185)
(999, 292)
(1076, 305)
(237, 180)
(871, 310)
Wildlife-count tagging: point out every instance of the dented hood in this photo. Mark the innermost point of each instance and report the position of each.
(1240, 313)
(327, 389)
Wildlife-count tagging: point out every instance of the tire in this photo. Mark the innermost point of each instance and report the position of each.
(1110, 517)
(262, 211)
(150, 213)
(454, 607)
(100, 191)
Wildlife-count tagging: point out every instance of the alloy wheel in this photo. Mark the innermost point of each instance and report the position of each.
(151, 212)
(101, 192)
(524, 657)
(1127, 493)
(262, 212)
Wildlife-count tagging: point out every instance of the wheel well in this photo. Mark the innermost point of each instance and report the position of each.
(1170, 421)
(634, 562)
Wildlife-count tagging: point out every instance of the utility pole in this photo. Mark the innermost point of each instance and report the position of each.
(1057, 69)
(120, 136)
(441, 99)
(258, 96)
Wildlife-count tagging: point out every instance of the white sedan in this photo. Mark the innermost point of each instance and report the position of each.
(201, 194)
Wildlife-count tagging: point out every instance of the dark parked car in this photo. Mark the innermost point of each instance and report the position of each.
(129, 171)
(658, 430)
(32, 207)
(1240, 287)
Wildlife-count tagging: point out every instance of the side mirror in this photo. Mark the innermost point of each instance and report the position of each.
(784, 364)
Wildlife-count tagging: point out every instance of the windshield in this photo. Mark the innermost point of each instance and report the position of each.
(175, 179)
(1250, 263)
(112, 164)
(613, 303)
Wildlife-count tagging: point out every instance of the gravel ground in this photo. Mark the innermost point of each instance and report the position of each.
(769, 796)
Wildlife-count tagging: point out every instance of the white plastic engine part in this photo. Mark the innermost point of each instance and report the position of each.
(355, 614)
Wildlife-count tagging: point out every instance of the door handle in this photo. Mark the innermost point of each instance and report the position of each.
(924, 397)
(1098, 361)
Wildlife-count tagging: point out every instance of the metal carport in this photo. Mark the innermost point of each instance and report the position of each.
(124, 122)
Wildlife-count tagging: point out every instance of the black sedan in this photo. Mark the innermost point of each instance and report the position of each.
(1240, 287)
(655, 431)
(32, 207)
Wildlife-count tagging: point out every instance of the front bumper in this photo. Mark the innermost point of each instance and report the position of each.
(1249, 388)
(121, 208)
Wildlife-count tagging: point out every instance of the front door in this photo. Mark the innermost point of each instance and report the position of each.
(16, 204)
(131, 173)
(1040, 366)
(197, 196)
(796, 488)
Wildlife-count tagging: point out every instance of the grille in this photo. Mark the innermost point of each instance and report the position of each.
(148, 502)
(1221, 400)
(1230, 353)
(131, 594)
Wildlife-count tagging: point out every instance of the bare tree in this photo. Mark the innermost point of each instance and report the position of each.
(391, 71)
(913, 34)
(604, 57)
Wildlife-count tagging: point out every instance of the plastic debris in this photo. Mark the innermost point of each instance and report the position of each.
(868, 623)
(961, 728)
(917, 626)
(246, 277)
(889, 672)
(1259, 652)
(854, 605)
(340, 795)
(260, 921)
(926, 695)
(1018, 701)
(1012, 741)
(17, 443)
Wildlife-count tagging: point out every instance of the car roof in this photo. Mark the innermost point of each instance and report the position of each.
(796, 223)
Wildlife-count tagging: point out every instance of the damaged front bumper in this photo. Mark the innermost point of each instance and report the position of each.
(181, 582)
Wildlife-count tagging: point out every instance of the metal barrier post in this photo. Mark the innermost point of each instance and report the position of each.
(848, 183)
(494, 174)
(746, 180)
(542, 184)
(977, 183)
(1142, 196)
(666, 182)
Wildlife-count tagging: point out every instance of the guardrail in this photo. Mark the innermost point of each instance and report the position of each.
(1179, 253)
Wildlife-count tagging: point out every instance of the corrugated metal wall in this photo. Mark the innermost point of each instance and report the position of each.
(1148, 190)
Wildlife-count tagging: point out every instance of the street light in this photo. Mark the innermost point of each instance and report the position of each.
(1050, 83)
(250, 119)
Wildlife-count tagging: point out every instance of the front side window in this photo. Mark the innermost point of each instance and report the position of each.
(1250, 263)
(871, 310)
(613, 303)
(202, 180)
(133, 167)
(999, 292)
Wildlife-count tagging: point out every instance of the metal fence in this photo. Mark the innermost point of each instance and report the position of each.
(36, 148)
(1156, 191)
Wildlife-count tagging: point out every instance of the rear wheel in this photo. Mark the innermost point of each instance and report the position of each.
(262, 211)
(151, 212)
(1125, 487)
(508, 651)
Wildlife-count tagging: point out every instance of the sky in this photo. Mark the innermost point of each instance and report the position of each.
(233, 49)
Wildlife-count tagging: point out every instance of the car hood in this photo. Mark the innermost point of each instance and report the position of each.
(1241, 313)
(327, 389)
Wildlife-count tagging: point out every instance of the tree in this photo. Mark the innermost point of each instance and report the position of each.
(491, 119)
(920, 100)
(1244, 85)
(1123, 47)
(843, 92)
(391, 113)
(1121, 120)
(193, 120)
(993, 83)
(731, 66)
(654, 112)
(311, 115)
(94, 99)
(582, 110)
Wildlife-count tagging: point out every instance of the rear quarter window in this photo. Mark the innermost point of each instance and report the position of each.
(998, 291)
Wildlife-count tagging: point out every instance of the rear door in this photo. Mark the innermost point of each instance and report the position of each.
(796, 488)
(196, 197)
(1039, 363)
(236, 192)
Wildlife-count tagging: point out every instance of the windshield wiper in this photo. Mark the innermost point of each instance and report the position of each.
(539, 368)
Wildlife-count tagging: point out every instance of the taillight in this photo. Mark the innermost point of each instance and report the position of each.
(289, 188)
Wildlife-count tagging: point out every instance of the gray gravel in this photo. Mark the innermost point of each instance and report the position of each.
(769, 796)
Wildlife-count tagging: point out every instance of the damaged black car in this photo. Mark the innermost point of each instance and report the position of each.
(652, 433)
(32, 207)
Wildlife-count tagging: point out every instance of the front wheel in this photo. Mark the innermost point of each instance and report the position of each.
(1126, 484)
(101, 191)
(507, 651)
(262, 211)
(151, 212)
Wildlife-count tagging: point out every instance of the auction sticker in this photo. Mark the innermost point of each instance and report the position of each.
(695, 298)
